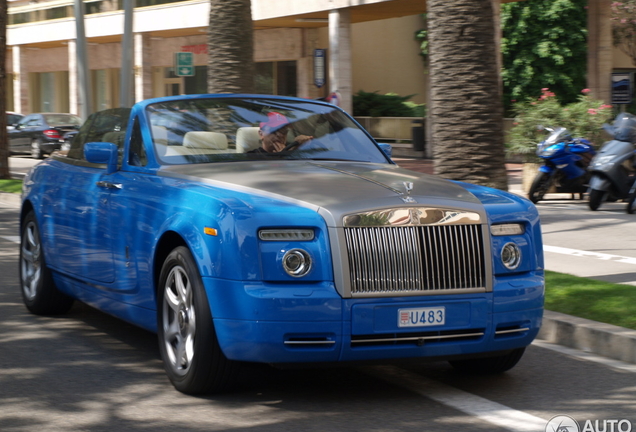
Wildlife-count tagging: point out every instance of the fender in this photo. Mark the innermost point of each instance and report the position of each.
(600, 182)
(546, 169)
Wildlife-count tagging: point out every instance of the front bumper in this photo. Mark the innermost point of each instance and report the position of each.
(292, 324)
(51, 145)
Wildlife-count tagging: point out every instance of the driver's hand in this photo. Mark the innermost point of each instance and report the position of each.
(302, 139)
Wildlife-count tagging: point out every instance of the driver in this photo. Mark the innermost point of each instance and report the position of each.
(273, 135)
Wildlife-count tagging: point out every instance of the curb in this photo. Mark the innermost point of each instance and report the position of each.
(606, 340)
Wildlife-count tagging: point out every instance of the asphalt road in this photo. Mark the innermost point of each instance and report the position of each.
(87, 371)
(600, 244)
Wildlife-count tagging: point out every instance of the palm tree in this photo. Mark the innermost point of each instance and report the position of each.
(466, 106)
(4, 144)
(230, 47)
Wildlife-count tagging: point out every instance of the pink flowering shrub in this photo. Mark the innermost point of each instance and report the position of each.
(583, 118)
(623, 19)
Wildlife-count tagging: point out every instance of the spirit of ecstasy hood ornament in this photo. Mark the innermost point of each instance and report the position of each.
(406, 197)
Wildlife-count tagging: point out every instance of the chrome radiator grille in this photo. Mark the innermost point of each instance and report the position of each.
(415, 259)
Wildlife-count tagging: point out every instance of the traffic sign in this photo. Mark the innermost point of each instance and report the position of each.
(319, 67)
(622, 88)
(184, 64)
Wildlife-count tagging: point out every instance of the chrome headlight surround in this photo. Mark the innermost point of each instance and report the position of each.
(297, 262)
(511, 256)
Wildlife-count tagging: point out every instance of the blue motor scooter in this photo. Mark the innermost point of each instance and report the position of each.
(565, 165)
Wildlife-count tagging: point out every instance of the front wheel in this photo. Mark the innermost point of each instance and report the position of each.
(39, 293)
(540, 186)
(596, 198)
(489, 365)
(189, 348)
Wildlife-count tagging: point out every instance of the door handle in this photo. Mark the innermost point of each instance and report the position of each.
(109, 185)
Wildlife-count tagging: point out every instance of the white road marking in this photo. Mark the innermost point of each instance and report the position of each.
(13, 239)
(582, 355)
(484, 409)
(587, 254)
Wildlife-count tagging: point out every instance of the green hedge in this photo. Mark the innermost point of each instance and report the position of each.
(386, 105)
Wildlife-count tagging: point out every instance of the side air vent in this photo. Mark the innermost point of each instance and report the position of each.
(313, 342)
(417, 339)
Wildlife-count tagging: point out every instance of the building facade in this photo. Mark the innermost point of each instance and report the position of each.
(370, 45)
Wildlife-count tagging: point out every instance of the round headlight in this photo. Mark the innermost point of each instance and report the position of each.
(297, 262)
(511, 256)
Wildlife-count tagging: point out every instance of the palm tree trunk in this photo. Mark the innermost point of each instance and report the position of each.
(230, 47)
(466, 106)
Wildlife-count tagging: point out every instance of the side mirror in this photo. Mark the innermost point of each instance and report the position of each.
(102, 153)
(387, 149)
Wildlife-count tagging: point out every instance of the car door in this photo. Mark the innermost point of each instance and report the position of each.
(80, 223)
(78, 216)
(19, 136)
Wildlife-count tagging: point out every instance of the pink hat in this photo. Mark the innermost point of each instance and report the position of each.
(274, 121)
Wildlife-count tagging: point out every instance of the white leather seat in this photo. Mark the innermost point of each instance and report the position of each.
(247, 139)
(215, 141)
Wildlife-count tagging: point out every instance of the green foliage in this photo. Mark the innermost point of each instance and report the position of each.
(387, 105)
(591, 299)
(544, 44)
(422, 37)
(12, 186)
(623, 18)
(583, 118)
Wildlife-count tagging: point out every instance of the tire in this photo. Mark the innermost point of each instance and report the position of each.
(39, 293)
(596, 198)
(540, 186)
(36, 149)
(489, 365)
(189, 348)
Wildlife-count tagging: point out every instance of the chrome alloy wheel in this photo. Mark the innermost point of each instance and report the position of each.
(179, 320)
(31, 260)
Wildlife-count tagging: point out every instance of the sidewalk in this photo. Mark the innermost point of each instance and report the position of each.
(590, 336)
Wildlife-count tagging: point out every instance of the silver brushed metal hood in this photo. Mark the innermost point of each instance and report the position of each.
(332, 188)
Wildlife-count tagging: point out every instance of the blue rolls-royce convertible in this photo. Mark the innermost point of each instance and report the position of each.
(250, 228)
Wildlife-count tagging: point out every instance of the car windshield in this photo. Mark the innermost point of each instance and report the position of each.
(235, 129)
(62, 120)
(558, 135)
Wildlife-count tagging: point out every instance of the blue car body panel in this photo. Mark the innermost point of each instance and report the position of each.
(103, 235)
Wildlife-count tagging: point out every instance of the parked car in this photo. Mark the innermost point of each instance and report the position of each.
(41, 133)
(68, 138)
(168, 216)
(12, 119)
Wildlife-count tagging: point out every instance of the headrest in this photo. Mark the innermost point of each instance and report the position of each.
(205, 140)
(247, 139)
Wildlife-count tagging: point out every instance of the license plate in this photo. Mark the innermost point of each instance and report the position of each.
(421, 317)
